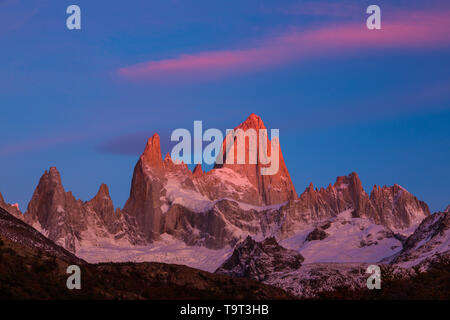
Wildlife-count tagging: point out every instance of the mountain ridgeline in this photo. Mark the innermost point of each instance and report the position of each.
(234, 201)
(239, 223)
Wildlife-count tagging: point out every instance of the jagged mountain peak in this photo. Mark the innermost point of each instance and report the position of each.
(103, 190)
(168, 157)
(252, 122)
(396, 207)
(211, 209)
(256, 260)
(198, 171)
(272, 189)
(152, 153)
(168, 162)
(68, 221)
(52, 176)
(392, 206)
(309, 193)
(350, 181)
(259, 189)
(11, 208)
(103, 193)
(177, 165)
(53, 171)
(48, 191)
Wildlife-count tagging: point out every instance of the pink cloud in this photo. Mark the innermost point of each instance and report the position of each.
(413, 30)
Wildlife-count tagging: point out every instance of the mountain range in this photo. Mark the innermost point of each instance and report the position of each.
(234, 221)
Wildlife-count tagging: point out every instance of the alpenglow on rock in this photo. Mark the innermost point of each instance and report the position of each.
(162, 191)
(271, 189)
(73, 223)
(215, 209)
(11, 208)
(393, 207)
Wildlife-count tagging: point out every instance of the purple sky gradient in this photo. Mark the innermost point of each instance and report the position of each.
(344, 98)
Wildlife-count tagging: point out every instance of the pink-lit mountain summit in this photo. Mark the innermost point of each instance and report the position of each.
(213, 209)
(214, 220)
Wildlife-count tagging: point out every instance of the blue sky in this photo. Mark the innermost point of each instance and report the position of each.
(85, 101)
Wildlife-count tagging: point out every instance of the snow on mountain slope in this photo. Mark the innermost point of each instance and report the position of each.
(194, 230)
(179, 190)
(19, 232)
(311, 279)
(257, 260)
(337, 253)
(269, 262)
(226, 183)
(430, 240)
(70, 222)
(166, 250)
(270, 189)
(273, 264)
(216, 210)
(344, 239)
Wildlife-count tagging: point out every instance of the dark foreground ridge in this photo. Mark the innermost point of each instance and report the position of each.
(33, 267)
(433, 284)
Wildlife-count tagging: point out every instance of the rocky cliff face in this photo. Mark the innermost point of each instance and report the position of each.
(393, 207)
(214, 209)
(296, 272)
(258, 260)
(57, 213)
(166, 197)
(396, 208)
(103, 207)
(198, 208)
(19, 232)
(34, 267)
(11, 208)
(157, 185)
(344, 239)
(70, 222)
(271, 189)
(269, 262)
(429, 242)
(249, 224)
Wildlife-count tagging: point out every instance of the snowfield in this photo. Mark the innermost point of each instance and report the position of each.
(167, 250)
(349, 240)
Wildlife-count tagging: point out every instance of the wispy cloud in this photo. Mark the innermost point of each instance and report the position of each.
(134, 143)
(40, 143)
(411, 30)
